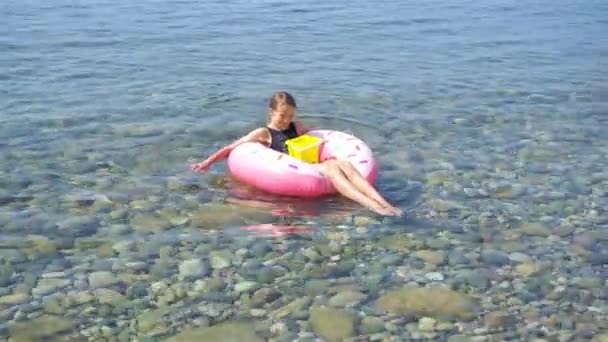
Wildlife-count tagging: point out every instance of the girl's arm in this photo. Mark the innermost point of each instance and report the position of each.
(258, 135)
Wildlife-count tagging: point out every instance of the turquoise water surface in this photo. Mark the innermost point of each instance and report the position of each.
(488, 120)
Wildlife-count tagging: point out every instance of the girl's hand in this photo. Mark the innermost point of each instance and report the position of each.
(257, 135)
(201, 167)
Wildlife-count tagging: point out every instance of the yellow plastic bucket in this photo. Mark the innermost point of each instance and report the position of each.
(305, 148)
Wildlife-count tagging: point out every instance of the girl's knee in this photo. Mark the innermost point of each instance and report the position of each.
(330, 167)
(345, 164)
(347, 167)
(331, 164)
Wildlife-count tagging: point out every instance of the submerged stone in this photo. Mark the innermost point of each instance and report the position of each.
(42, 328)
(225, 332)
(149, 320)
(6, 272)
(527, 269)
(101, 279)
(294, 306)
(430, 256)
(143, 223)
(371, 325)
(535, 229)
(14, 299)
(499, 319)
(400, 243)
(347, 298)
(600, 338)
(433, 302)
(40, 246)
(331, 324)
(192, 269)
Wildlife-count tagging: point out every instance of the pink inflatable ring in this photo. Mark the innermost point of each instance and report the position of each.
(282, 174)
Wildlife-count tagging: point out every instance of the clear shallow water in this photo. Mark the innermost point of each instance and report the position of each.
(488, 119)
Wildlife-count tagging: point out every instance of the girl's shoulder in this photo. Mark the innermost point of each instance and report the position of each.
(261, 134)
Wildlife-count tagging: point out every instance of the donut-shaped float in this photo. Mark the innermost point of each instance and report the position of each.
(281, 174)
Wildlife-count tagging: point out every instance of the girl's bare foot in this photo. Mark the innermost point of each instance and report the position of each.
(383, 211)
(388, 211)
(396, 211)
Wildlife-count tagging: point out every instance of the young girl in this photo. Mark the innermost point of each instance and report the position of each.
(282, 127)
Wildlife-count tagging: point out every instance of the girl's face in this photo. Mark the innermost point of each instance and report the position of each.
(282, 116)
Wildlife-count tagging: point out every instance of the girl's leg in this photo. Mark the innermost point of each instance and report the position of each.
(332, 170)
(363, 185)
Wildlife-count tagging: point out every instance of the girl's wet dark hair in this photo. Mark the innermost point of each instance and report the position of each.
(281, 98)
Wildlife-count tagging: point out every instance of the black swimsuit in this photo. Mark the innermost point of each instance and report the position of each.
(278, 138)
